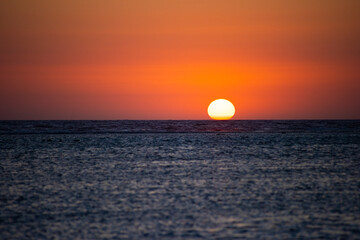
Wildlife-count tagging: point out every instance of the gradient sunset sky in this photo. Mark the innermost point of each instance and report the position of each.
(168, 59)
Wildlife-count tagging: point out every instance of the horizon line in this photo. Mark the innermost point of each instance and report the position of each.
(258, 119)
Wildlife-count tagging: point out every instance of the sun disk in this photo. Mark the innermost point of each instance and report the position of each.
(221, 109)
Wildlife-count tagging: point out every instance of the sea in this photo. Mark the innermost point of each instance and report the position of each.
(232, 179)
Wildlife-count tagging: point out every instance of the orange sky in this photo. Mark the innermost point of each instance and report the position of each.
(168, 59)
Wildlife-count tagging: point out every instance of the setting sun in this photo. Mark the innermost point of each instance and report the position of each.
(221, 109)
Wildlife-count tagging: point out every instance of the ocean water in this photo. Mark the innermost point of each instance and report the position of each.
(179, 179)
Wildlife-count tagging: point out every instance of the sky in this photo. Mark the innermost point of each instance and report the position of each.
(168, 59)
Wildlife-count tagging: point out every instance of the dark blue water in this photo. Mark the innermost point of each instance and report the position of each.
(182, 126)
(179, 179)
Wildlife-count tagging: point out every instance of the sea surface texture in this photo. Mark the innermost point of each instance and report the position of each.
(179, 179)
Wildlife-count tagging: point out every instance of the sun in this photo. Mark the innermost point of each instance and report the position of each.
(221, 109)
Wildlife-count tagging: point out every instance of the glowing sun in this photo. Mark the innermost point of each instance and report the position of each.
(221, 109)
